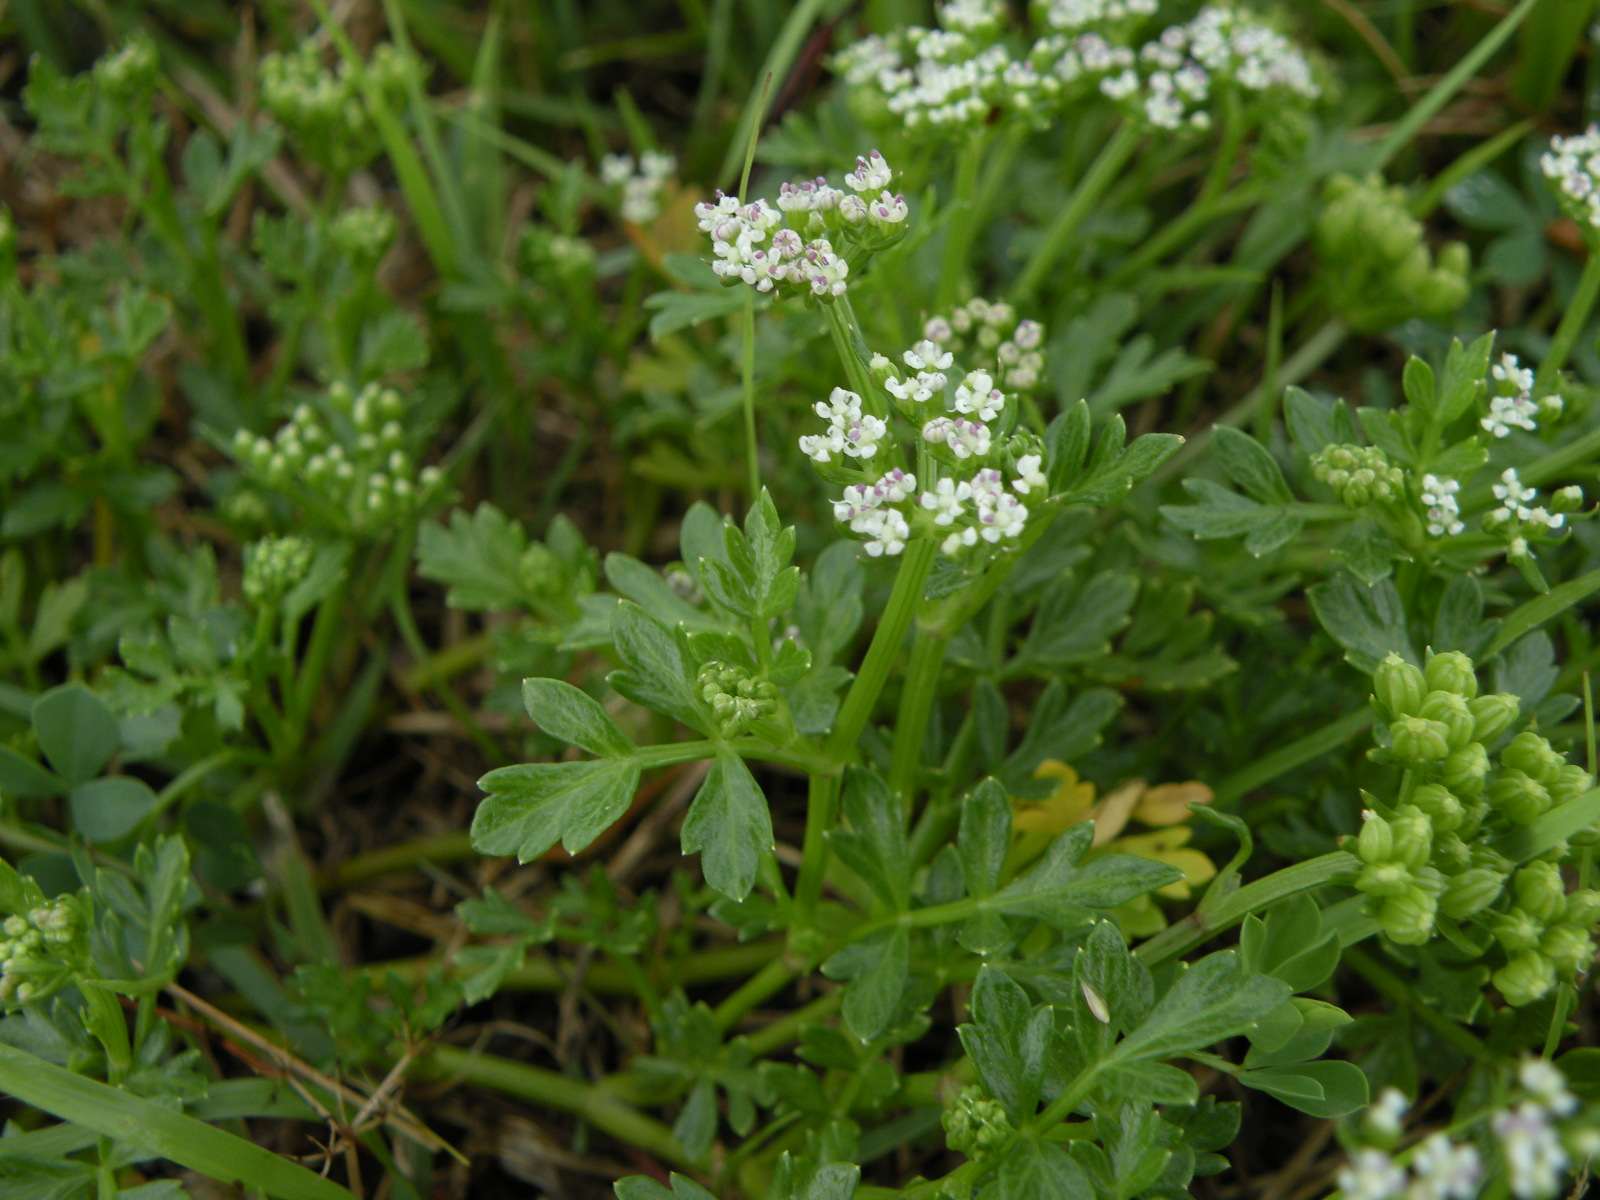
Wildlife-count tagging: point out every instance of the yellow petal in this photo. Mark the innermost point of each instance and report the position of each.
(1112, 814)
(1169, 803)
(1071, 802)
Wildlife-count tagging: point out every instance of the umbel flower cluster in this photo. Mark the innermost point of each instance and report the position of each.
(640, 183)
(324, 110)
(788, 245)
(1427, 852)
(348, 464)
(1537, 1142)
(40, 949)
(1572, 165)
(956, 76)
(1380, 268)
(273, 566)
(966, 497)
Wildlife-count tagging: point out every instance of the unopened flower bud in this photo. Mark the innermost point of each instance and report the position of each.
(1451, 672)
(1570, 782)
(1520, 798)
(1583, 908)
(1408, 917)
(1440, 806)
(1517, 930)
(1569, 948)
(1376, 843)
(1540, 891)
(1417, 740)
(1465, 770)
(1399, 686)
(1451, 711)
(1492, 715)
(1470, 892)
(1567, 499)
(1450, 852)
(1533, 756)
(1413, 837)
(1384, 879)
(1526, 978)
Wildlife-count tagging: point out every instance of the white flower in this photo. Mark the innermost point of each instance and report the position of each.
(656, 165)
(616, 169)
(958, 541)
(947, 501)
(872, 174)
(1371, 1175)
(1508, 412)
(851, 432)
(1029, 474)
(1518, 548)
(1546, 1084)
(920, 388)
(1510, 370)
(1444, 510)
(1386, 1115)
(965, 438)
(886, 532)
(927, 355)
(977, 395)
(888, 209)
(1535, 1159)
(1513, 495)
(1445, 1171)
(1572, 164)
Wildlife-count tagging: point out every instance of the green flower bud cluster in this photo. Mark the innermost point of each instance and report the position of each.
(363, 234)
(737, 698)
(274, 565)
(40, 951)
(128, 73)
(348, 466)
(546, 252)
(974, 1124)
(1361, 475)
(1380, 267)
(1430, 858)
(324, 110)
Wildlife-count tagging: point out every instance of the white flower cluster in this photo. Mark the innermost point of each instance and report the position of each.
(954, 77)
(1511, 406)
(992, 327)
(784, 245)
(1572, 164)
(1537, 1152)
(1444, 510)
(355, 472)
(1221, 46)
(1074, 16)
(971, 503)
(1517, 504)
(641, 183)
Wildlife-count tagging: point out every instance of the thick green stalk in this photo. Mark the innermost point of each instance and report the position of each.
(1264, 770)
(916, 705)
(595, 1103)
(959, 226)
(1573, 320)
(1102, 172)
(747, 335)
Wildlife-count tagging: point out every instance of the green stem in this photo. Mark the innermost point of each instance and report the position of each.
(748, 375)
(916, 705)
(595, 1103)
(1113, 155)
(959, 227)
(765, 983)
(1573, 320)
(1264, 770)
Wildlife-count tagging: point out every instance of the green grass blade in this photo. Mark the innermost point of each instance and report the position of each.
(1536, 612)
(182, 1139)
